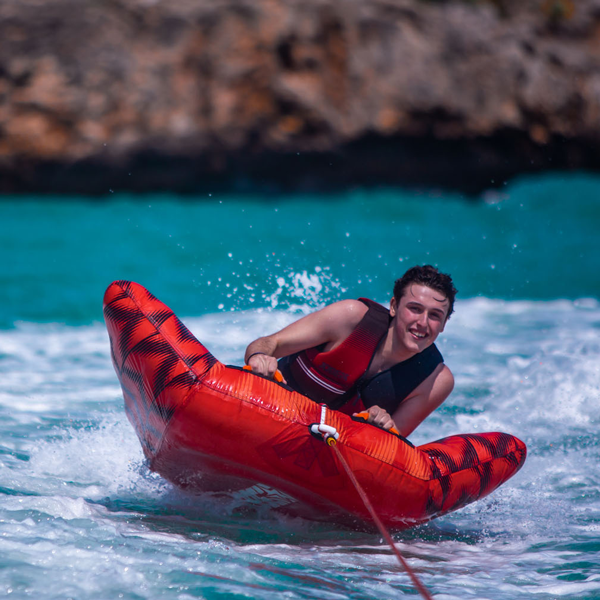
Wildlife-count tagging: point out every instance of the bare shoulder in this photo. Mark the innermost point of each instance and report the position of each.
(337, 320)
(424, 400)
(445, 380)
(349, 310)
(437, 387)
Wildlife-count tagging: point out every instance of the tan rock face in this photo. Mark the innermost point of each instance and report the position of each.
(107, 82)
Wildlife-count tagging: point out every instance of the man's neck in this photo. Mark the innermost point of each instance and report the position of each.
(390, 353)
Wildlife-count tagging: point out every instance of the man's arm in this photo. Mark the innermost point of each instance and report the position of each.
(424, 400)
(330, 325)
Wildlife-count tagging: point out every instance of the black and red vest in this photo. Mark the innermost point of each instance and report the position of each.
(337, 377)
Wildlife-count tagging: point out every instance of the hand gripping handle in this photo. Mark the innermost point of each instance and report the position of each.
(364, 417)
(277, 376)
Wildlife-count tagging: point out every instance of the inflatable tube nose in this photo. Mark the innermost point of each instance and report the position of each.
(155, 355)
(134, 316)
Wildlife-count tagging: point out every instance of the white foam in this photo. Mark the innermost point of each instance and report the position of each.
(105, 459)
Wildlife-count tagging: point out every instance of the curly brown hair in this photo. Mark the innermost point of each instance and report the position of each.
(432, 278)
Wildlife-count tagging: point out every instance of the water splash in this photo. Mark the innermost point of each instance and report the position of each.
(305, 291)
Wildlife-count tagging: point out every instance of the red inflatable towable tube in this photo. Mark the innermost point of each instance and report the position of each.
(210, 427)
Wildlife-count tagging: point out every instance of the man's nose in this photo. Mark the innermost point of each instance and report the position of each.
(422, 320)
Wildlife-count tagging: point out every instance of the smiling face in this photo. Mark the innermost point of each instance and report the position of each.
(419, 317)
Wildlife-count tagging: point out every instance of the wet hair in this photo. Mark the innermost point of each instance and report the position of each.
(428, 276)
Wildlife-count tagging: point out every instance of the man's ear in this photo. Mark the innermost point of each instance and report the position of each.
(393, 307)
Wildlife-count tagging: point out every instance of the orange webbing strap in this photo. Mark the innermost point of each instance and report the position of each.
(277, 376)
(382, 529)
(364, 416)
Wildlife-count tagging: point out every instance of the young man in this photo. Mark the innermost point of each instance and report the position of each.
(355, 355)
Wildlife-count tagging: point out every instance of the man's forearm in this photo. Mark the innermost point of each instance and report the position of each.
(263, 345)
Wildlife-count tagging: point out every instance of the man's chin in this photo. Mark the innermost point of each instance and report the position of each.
(412, 345)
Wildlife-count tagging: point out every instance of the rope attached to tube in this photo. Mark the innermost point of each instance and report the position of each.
(329, 433)
(331, 437)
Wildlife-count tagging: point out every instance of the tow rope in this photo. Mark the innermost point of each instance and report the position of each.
(331, 436)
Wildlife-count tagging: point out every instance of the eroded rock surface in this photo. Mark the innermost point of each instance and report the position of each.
(189, 95)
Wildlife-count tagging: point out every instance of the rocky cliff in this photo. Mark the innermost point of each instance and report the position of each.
(199, 95)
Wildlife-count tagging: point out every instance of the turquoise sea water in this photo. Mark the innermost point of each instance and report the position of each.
(81, 516)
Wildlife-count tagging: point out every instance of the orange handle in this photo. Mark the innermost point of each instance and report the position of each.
(365, 415)
(277, 376)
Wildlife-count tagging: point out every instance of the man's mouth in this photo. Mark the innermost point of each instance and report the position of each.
(419, 335)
